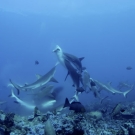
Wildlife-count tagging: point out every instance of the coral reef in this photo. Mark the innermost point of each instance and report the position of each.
(88, 123)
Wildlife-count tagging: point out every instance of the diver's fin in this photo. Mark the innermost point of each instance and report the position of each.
(81, 58)
(67, 104)
(53, 80)
(66, 76)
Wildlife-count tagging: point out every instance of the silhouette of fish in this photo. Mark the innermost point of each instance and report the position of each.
(75, 106)
(36, 62)
(128, 68)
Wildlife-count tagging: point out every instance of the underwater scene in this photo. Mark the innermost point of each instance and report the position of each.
(67, 67)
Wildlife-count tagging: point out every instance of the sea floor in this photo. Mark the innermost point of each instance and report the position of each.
(93, 122)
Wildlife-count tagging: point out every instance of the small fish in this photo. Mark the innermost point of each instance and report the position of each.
(128, 68)
(75, 106)
(36, 62)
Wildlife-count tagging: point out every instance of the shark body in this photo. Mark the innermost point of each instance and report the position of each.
(28, 106)
(48, 77)
(109, 88)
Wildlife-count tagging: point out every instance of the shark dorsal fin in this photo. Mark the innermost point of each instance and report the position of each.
(81, 58)
(53, 80)
(38, 76)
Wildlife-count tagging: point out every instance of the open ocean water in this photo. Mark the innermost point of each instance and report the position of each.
(103, 32)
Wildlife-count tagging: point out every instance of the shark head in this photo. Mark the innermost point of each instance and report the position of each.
(59, 53)
(57, 49)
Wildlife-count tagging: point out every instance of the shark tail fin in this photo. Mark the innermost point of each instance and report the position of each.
(126, 92)
(16, 86)
(10, 85)
(12, 93)
(67, 104)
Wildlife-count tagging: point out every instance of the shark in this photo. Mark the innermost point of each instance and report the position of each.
(94, 88)
(48, 103)
(124, 85)
(86, 80)
(42, 80)
(109, 88)
(41, 94)
(28, 106)
(75, 61)
(75, 76)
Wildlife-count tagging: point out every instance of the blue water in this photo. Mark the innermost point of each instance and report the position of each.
(101, 31)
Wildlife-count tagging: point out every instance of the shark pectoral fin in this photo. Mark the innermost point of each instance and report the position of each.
(53, 80)
(66, 76)
(81, 58)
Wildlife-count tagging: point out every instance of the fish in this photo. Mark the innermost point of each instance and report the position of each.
(109, 88)
(77, 107)
(36, 62)
(62, 56)
(19, 101)
(75, 76)
(59, 108)
(129, 68)
(48, 77)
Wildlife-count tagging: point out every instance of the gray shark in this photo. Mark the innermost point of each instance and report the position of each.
(94, 88)
(86, 80)
(76, 62)
(109, 88)
(42, 94)
(48, 77)
(28, 106)
(124, 85)
(75, 76)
